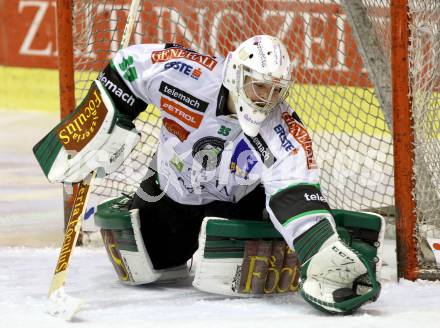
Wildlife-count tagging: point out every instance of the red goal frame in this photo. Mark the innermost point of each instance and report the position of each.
(403, 135)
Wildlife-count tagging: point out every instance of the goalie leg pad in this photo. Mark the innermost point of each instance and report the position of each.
(244, 258)
(249, 258)
(120, 229)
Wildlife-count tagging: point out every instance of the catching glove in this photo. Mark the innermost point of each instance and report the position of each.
(331, 271)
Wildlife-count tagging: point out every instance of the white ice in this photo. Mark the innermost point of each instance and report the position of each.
(30, 236)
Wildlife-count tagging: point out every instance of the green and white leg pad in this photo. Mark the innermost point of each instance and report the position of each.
(244, 258)
(120, 229)
(250, 258)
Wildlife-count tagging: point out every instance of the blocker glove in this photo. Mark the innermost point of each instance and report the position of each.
(335, 278)
(96, 135)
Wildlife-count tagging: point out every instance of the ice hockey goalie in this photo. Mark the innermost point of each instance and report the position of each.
(234, 177)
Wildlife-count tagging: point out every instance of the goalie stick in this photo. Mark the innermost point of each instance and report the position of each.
(61, 304)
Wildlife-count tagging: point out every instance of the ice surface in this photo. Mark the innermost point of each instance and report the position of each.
(30, 221)
(30, 207)
(26, 274)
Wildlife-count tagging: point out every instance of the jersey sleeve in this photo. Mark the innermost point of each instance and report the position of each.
(293, 197)
(127, 76)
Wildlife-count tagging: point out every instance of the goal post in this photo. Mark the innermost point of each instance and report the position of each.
(366, 86)
(416, 115)
(64, 35)
(403, 141)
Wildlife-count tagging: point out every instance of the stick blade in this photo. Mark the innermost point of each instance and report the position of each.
(62, 305)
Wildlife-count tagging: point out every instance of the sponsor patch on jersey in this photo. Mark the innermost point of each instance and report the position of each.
(315, 197)
(295, 201)
(177, 45)
(208, 152)
(299, 132)
(181, 113)
(183, 97)
(243, 160)
(124, 99)
(179, 52)
(285, 142)
(263, 150)
(120, 90)
(183, 68)
(174, 128)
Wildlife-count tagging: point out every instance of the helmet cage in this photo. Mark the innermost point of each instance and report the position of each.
(276, 90)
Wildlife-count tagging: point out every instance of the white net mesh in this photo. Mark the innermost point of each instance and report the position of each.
(342, 94)
(425, 82)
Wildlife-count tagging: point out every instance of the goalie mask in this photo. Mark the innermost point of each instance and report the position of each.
(257, 75)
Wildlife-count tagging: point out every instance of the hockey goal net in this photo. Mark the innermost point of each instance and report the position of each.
(345, 65)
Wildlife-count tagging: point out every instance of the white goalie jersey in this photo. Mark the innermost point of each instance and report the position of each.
(203, 154)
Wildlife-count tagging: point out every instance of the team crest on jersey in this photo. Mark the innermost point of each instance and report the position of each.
(208, 152)
(243, 160)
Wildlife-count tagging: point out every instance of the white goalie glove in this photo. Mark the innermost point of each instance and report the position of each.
(95, 136)
(335, 278)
